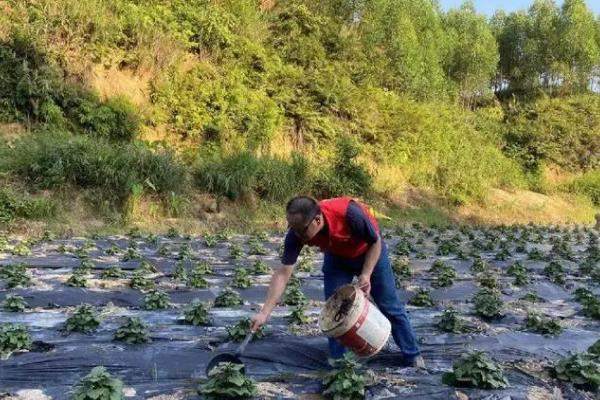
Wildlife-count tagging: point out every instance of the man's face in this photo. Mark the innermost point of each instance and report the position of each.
(305, 231)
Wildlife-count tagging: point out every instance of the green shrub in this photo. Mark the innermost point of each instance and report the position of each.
(84, 319)
(157, 300)
(112, 272)
(139, 281)
(21, 249)
(113, 250)
(28, 82)
(401, 269)
(581, 370)
(595, 349)
(15, 275)
(77, 280)
(51, 160)
(226, 381)
(450, 321)
(196, 279)
(13, 338)
(293, 296)
(85, 267)
(13, 206)
(197, 314)
(228, 298)
(551, 130)
(591, 308)
(536, 254)
(133, 331)
(555, 272)
(532, 297)
(583, 295)
(438, 266)
(422, 299)
(346, 172)
(132, 253)
(239, 331)
(114, 119)
(185, 252)
(180, 273)
(235, 251)
(488, 279)
(204, 268)
(488, 303)
(445, 278)
(475, 369)
(256, 248)
(540, 324)
(14, 303)
(519, 272)
(297, 316)
(99, 384)
(236, 174)
(147, 267)
(344, 381)
(260, 268)
(479, 265)
(241, 280)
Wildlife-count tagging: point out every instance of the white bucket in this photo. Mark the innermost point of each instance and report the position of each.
(355, 322)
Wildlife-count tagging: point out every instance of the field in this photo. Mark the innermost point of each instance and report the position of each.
(529, 313)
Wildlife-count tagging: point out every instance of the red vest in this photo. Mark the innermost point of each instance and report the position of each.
(338, 240)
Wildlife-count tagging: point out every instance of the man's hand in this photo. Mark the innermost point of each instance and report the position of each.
(364, 283)
(258, 320)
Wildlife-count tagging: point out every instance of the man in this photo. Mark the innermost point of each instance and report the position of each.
(349, 236)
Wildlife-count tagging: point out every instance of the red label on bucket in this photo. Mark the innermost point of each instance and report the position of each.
(354, 341)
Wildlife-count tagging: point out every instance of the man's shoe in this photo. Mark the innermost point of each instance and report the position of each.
(417, 362)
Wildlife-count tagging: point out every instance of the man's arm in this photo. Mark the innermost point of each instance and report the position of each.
(291, 249)
(371, 258)
(361, 227)
(278, 283)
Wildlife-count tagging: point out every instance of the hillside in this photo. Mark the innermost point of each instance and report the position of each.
(212, 113)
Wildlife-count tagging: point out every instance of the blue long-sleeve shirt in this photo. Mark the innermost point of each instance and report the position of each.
(360, 228)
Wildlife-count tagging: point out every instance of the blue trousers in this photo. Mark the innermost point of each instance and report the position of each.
(339, 271)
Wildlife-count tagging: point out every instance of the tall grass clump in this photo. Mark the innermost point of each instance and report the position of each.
(269, 177)
(587, 184)
(55, 159)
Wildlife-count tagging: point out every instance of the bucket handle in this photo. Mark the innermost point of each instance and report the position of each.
(343, 309)
(347, 304)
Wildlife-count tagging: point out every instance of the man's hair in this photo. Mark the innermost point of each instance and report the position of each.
(305, 206)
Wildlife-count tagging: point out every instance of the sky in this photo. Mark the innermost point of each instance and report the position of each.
(489, 6)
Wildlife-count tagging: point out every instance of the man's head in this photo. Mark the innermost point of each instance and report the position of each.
(304, 217)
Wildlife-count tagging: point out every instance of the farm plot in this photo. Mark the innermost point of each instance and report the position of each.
(501, 313)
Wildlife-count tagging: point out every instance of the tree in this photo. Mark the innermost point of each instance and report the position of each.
(516, 70)
(579, 50)
(473, 52)
(543, 41)
(405, 42)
